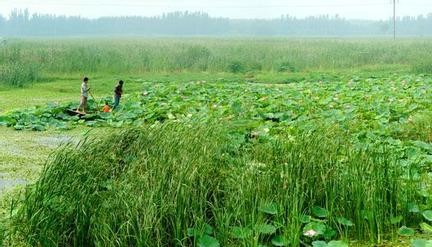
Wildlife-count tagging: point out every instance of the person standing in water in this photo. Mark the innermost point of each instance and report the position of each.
(118, 91)
(84, 96)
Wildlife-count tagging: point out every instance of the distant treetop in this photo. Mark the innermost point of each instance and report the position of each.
(22, 23)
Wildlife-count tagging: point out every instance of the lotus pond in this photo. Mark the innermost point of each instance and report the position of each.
(311, 163)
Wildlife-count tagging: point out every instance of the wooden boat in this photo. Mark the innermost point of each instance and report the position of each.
(74, 112)
(88, 116)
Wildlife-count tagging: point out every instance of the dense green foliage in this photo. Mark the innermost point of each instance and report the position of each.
(22, 23)
(23, 61)
(272, 171)
(203, 184)
(390, 104)
(297, 143)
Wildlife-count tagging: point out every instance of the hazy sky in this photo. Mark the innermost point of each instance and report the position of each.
(355, 9)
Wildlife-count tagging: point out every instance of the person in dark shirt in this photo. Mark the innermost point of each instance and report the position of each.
(118, 91)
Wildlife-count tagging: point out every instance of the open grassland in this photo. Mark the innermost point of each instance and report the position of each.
(269, 142)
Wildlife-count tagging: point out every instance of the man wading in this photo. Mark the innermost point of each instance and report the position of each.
(118, 91)
(84, 96)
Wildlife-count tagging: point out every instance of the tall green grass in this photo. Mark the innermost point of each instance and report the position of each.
(154, 186)
(90, 56)
(17, 67)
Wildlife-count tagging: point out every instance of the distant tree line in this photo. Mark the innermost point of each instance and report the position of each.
(22, 23)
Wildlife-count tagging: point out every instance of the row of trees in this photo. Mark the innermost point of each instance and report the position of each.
(22, 23)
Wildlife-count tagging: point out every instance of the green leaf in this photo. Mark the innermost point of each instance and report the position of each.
(266, 229)
(207, 241)
(428, 215)
(423, 193)
(6, 121)
(367, 215)
(19, 127)
(208, 229)
(413, 208)
(337, 244)
(426, 228)
(241, 232)
(396, 220)
(319, 244)
(192, 232)
(37, 127)
(329, 233)
(305, 219)
(344, 221)
(237, 107)
(314, 229)
(320, 212)
(279, 241)
(406, 231)
(421, 243)
(269, 208)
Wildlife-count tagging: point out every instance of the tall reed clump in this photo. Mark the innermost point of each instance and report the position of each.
(143, 187)
(178, 185)
(361, 191)
(18, 74)
(17, 66)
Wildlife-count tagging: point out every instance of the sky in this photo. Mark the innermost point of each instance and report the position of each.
(351, 9)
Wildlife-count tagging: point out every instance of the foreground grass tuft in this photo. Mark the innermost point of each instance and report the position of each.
(178, 185)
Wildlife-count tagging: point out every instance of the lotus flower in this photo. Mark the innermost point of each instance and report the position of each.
(310, 233)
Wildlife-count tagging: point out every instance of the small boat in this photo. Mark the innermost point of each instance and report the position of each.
(74, 112)
(88, 116)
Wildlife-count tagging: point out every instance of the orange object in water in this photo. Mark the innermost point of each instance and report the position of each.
(106, 108)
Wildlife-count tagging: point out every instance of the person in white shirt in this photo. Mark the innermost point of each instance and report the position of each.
(84, 96)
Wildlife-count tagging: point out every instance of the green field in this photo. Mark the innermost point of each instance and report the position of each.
(218, 142)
